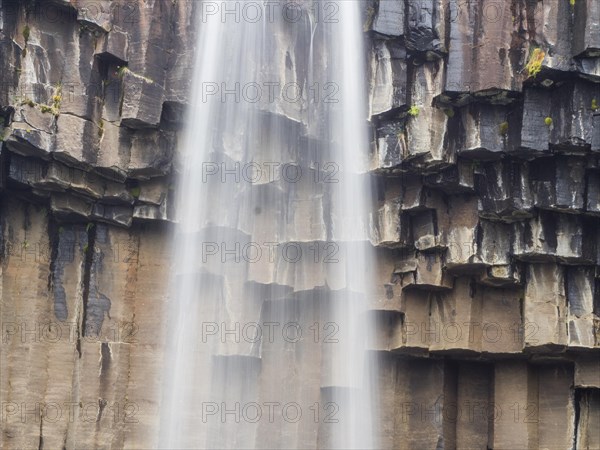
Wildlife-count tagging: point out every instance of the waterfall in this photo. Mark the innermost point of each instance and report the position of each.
(268, 328)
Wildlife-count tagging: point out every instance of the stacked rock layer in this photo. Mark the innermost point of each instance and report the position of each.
(485, 152)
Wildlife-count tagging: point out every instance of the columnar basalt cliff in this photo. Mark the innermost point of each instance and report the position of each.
(485, 154)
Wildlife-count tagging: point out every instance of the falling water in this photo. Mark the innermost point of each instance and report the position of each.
(268, 330)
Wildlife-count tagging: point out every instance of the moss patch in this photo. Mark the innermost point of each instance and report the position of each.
(534, 65)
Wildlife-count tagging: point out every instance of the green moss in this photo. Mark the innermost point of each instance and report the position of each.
(449, 112)
(121, 70)
(57, 97)
(594, 105)
(4, 132)
(503, 128)
(572, 2)
(26, 33)
(548, 121)
(135, 192)
(101, 128)
(534, 65)
(414, 111)
(89, 226)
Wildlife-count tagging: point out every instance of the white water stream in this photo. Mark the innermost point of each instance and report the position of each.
(267, 327)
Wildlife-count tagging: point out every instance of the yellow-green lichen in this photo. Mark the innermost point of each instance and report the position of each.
(57, 97)
(28, 102)
(414, 111)
(534, 65)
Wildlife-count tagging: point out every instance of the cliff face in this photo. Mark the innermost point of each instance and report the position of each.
(485, 152)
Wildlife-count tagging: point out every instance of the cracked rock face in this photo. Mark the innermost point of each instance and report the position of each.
(485, 125)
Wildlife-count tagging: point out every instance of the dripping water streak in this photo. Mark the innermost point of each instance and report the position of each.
(203, 372)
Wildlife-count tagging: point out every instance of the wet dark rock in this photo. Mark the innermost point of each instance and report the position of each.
(388, 87)
(427, 133)
(115, 46)
(172, 116)
(97, 304)
(68, 239)
(572, 130)
(586, 36)
(535, 130)
(486, 131)
(76, 141)
(69, 207)
(484, 58)
(390, 145)
(588, 68)
(151, 154)
(389, 19)
(593, 192)
(487, 167)
(554, 30)
(552, 237)
(10, 61)
(504, 192)
(95, 14)
(454, 180)
(118, 215)
(151, 212)
(558, 183)
(28, 141)
(142, 101)
(426, 27)
(26, 171)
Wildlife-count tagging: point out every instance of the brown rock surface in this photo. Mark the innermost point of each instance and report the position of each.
(485, 225)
